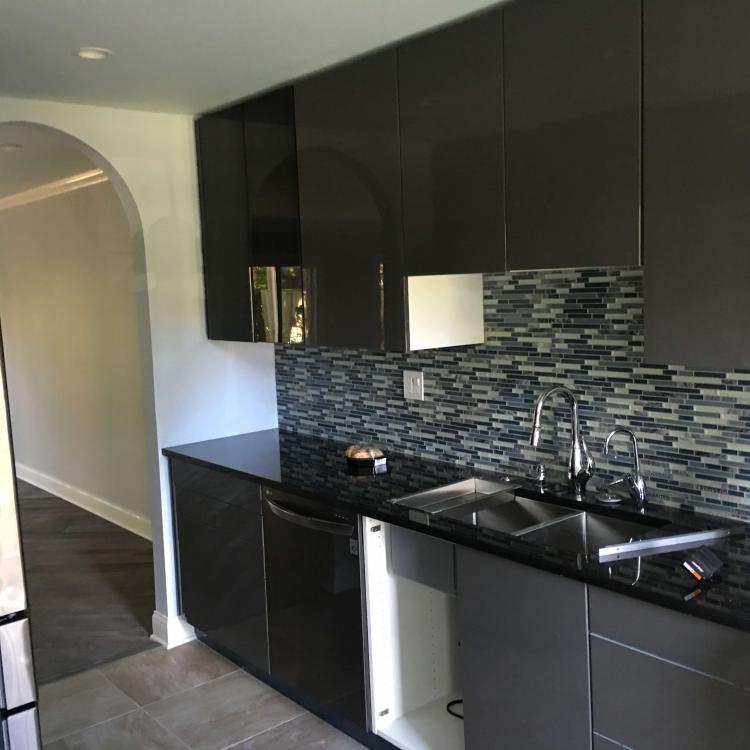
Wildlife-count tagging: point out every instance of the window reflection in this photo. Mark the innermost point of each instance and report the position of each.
(277, 304)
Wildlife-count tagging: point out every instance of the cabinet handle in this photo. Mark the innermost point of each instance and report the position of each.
(310, 522)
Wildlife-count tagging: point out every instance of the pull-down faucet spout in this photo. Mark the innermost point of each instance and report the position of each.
(581, 465)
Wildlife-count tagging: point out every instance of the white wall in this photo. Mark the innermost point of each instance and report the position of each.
(201, 389)
(71, 338)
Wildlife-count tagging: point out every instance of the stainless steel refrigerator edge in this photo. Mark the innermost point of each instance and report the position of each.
(19, 725)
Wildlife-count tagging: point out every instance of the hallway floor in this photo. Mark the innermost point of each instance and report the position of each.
(189, 697)
(90, 585)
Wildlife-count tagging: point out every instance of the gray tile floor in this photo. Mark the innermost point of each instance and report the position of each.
(189, 697)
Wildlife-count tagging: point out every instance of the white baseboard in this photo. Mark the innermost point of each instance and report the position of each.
(171, 631)
(106, 509)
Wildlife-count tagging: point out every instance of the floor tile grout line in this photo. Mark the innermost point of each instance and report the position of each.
(168, 731)
(187, 690)
(270, 729)
(50, 740)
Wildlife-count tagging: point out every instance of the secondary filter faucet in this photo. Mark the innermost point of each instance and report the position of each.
(581, 466)
(635, 481)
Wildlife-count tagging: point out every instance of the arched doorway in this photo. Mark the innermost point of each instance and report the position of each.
(74, 311)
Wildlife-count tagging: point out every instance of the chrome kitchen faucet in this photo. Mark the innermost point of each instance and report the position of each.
(581, 466)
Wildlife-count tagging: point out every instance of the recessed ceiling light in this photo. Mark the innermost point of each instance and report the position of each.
(94, 53)
(6, 147)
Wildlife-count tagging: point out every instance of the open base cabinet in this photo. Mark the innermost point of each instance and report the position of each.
(413, 638)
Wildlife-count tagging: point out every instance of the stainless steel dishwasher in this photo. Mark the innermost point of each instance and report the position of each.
(315, 605)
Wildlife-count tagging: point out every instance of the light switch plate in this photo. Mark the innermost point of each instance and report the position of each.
(414, 385)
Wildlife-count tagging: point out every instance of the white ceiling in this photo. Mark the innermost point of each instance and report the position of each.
(194, 55)
(46, 156)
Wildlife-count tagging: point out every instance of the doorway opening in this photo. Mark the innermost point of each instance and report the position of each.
(74, 321)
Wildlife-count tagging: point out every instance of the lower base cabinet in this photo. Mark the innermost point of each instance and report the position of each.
(219, 534)
(602, 743)
(662, 679)
(523, 656)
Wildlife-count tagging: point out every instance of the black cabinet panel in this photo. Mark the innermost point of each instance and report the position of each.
(271, 154)
(220, 140)
(273, 216)
(650, 704)
(350, 204)
(572, 118)
(524, 656)
(696, 182)
(450, 99)
(220, 554)
(250, 220)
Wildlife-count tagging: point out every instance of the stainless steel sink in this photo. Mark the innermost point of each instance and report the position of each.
(466, 496)
(498, 507)
(510, 514)
(589, 533)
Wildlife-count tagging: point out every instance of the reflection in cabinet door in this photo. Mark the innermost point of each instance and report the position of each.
(220, 555)
(350, 204)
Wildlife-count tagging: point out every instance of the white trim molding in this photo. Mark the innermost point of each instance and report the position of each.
(99, 506)
(171, 631)
(56, 187)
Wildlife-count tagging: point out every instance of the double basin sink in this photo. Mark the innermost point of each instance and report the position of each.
(507, 508)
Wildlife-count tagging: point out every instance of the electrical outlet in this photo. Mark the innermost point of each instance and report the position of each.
(414, 385)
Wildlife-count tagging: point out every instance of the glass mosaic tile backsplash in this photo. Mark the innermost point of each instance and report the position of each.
(579, 328)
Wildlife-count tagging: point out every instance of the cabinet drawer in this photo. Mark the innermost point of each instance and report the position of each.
(218, 485)
(704, 646)
(649, 704)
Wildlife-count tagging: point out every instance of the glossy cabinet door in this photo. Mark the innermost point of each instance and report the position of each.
(696, 221)
(451, 121)
(249, 200)
(273, 217)
(350, 204)
(220, 556)
(222, 183)
(685, 679)
(572, 118)
(524, 656)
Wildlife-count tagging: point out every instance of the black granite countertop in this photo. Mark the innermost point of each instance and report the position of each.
(317, 468)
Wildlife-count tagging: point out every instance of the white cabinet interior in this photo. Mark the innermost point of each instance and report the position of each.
(412, 644)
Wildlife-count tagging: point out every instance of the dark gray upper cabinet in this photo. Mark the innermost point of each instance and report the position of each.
(222, 182)
(572, 126)
(450, 106)
(350, 204)
(247, 172)
(273, 216)
(524, 656)
(696, 182)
